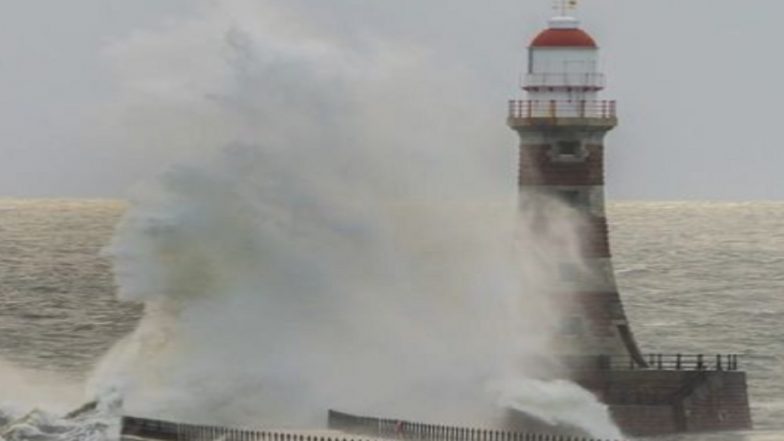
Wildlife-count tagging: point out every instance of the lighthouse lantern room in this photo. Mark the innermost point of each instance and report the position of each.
(563, 78)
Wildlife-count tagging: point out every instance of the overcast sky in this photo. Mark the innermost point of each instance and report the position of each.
(699, 85)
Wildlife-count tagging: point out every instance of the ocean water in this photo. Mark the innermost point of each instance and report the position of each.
(709, 278)
(695, 278)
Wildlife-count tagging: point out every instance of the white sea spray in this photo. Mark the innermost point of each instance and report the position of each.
(336, 241)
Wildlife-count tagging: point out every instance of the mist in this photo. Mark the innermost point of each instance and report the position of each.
(335, 239)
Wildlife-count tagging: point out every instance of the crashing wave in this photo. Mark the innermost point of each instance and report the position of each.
(95, 421)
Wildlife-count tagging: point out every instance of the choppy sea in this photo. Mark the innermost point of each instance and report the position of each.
(695, 278)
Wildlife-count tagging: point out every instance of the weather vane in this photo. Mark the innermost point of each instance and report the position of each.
(565, 6)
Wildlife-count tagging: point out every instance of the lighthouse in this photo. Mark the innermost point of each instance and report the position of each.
(562, 123)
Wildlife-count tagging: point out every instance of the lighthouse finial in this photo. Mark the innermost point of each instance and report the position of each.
(565, 6)
(564, 19)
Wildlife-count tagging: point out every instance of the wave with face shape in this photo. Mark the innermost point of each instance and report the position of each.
(345, 247)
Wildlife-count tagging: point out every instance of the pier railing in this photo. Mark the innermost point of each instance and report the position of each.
(683, 362)
(526, 109)
(160, 430)
(413, 431)
(660, 362)
(356, 428)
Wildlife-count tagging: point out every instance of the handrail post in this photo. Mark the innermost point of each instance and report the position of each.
(553, 109)
(700, 364)
(678, 361)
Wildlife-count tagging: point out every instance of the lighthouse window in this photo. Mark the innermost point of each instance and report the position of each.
(568, 148)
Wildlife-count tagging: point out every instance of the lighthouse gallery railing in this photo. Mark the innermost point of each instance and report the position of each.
(562, 109)
(568, 80)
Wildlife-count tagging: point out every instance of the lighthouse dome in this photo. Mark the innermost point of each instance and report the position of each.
(564, 32)
(563, 63)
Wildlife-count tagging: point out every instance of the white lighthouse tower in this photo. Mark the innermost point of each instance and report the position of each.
(562, 124)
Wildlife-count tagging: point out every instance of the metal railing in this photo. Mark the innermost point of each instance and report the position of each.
(524, 109)
(661, 362)
(357, 428)
(170, 431)
(585, 81)
(693, 362)
(412, 431)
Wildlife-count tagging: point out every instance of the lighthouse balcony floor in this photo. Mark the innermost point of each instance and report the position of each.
(566, 122)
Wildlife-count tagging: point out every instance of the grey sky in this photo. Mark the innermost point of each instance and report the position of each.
(698, 84)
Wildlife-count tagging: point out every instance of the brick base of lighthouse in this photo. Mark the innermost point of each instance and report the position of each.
(659, 402)
(655, 402)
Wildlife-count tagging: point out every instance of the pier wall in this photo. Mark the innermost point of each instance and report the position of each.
(656, 402)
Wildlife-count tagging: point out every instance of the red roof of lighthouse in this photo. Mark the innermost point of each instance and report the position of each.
(563, 38)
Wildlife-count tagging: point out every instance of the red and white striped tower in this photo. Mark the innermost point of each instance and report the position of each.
(562, 125)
